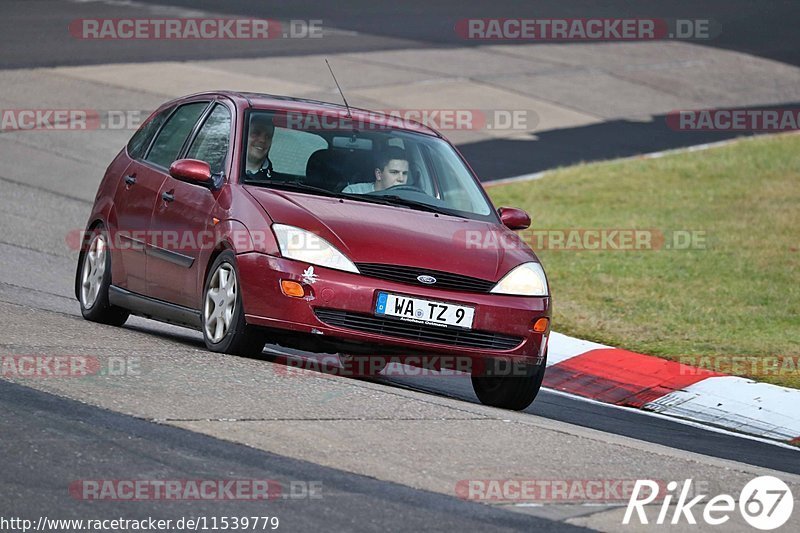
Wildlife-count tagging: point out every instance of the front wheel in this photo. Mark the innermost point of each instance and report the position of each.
(508, 386)
(224, 326)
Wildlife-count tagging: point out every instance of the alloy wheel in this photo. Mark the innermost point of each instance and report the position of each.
(94, 268)
(220, 303)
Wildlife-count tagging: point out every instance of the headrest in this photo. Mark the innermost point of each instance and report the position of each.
(332, 168)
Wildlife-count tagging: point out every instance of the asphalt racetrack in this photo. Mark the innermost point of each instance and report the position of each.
(390, 454)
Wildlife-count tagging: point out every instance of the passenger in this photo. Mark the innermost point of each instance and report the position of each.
(259, 141)
(391, 170)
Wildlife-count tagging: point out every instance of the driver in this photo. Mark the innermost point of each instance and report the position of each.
(391, 170)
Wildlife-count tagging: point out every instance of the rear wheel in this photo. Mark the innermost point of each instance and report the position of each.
(94, 281)
(515, 389)
(224, 327)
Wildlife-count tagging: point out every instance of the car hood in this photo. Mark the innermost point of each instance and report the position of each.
(373, 233)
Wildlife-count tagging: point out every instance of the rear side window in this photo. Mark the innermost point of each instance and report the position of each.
(170, 139)
(138, 144)
(291, 150)
(211, 143)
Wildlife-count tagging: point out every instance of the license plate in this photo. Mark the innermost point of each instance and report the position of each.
(425, 311)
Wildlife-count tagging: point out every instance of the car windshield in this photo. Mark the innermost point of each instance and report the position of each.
(332, 156)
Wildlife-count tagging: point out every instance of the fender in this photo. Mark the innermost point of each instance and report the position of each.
(233, 235)
(103, 213)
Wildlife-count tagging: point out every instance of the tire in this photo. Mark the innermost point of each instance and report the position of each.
(224, 327)
(506, 392)
(94, 279)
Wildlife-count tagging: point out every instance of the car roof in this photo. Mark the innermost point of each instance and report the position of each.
(289, 103)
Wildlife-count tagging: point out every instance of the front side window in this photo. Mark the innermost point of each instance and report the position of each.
(170, 139)
(211, 143)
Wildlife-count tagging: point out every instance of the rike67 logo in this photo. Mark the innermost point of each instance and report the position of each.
(765, 503)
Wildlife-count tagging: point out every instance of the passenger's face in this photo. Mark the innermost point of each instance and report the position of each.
(394, 173)
(259, 140)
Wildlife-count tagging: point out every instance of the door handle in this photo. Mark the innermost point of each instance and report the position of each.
(167, 196)
(130, 180)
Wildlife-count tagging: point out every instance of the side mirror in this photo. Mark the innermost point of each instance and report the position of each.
(514, 218)
(192, 171)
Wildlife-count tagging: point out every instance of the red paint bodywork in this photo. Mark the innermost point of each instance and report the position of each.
(240, 216)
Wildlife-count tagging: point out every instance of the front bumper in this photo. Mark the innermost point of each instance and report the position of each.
(343, 294)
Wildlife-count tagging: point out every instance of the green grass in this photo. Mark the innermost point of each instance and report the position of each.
(739, 295)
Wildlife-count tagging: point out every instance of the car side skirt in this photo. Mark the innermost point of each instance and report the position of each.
(147, 307)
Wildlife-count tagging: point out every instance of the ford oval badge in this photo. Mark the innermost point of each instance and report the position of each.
(427, 280)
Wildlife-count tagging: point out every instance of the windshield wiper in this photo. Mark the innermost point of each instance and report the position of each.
(393, 199)
(293, 186)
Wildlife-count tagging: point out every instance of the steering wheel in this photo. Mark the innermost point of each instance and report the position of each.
(405, 187)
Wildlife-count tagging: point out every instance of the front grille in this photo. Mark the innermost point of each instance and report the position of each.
(444, 280)
(392, 327)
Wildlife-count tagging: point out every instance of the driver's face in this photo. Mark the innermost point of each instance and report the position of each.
(394, 173)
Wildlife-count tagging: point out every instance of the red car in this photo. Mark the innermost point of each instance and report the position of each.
(257, 218)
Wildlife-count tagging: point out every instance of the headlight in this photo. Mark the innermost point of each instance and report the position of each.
(527, 279)
(296, 243)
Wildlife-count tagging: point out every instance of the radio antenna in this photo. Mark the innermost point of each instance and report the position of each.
(340, 90)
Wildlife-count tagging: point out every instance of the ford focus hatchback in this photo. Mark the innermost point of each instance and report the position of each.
(256, 219)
